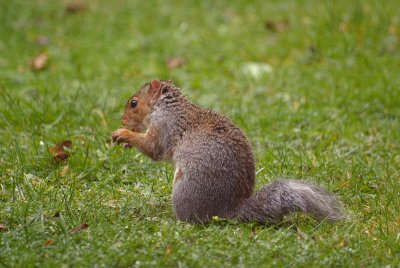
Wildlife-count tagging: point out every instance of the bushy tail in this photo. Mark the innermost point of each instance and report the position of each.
(283, 197)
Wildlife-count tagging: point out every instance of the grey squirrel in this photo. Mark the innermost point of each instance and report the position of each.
(214, 163)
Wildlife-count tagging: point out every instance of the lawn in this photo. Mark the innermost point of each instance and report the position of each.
(314, 84)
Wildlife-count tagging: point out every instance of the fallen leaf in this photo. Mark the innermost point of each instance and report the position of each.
(168, 250)
(277, 26)
(80, 228)
(64, 171)
(42, 40)
(57, 214)
(111, 203)
(343, 243)
(75, 8)
(174, 63)
(48, 242)
(39, 62)
(3, 228)
(60, 151)
(367, 209)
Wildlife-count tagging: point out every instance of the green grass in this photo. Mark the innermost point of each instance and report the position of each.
(328, 112)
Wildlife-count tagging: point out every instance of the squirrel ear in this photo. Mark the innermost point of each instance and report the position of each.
(155, 85)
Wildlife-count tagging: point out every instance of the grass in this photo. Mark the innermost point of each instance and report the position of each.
(328, 112)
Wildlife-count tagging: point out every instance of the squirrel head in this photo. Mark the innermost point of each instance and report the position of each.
(143, 102)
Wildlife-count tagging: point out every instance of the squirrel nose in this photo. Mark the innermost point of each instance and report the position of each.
(123, 120)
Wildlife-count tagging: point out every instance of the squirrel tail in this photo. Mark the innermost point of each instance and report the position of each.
(283, 197)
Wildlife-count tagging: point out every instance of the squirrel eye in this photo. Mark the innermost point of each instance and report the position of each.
(133, 103)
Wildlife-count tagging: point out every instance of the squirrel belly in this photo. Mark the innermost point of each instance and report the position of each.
(215, 167)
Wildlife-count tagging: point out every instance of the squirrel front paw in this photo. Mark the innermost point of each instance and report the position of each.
(127, 145)
(123, 135)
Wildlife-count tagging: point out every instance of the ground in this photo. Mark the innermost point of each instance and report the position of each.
(314, 84)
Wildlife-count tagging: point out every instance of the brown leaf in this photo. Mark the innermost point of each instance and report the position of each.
(42, 40)
(57, 214)
(277, 26)
(174, 63)
(39, 62)
(80, 228)
(168, 250)
(343, 243)
(3, 228)
(48, 242)
(64, 171)
(75, 7)
(60, 151)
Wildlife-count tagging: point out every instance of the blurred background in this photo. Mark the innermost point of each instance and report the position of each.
(234, 56)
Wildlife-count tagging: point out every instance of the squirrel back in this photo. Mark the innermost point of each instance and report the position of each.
(214, 162)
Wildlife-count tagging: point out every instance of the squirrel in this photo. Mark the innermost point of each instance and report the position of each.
(214, 163)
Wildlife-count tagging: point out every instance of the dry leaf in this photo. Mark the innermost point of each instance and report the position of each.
(343, 243)
(168, 250)
(48, 242)
(111, 203)
(80, 228)
(42, 40)
(64, 171)
(75, 8)
(39, 62)
(277, 26)
(174, 63)
(57, 214)
(59, 151)
(3, 228)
